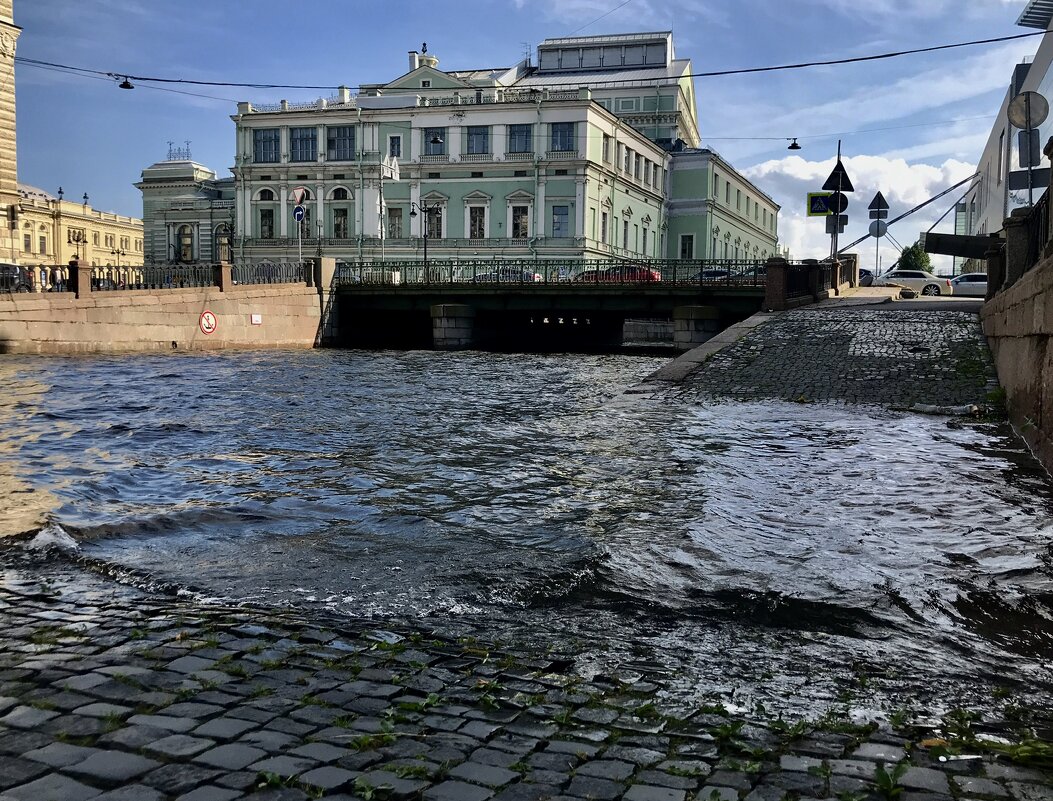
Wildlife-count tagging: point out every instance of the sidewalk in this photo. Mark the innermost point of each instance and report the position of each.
(106, 694)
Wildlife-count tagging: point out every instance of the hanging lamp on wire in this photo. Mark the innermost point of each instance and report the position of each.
(793, 145)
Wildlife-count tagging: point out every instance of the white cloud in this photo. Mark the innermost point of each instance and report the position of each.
(903, 184)
(633, 16)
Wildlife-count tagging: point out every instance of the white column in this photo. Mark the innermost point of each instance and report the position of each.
(415, 222)
(321, 154)
(539, 213)
(413, 145)
(578, 229)
(453, 142)
(319, 193)
(283, 211)
(499, 139)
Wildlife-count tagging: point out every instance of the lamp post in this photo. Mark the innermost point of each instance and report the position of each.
(424, 209)
(116, 252)
(77, 238)
(58, 227)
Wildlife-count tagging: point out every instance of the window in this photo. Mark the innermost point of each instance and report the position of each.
(340, 230)
(561, 221)
(184, 243)
(477, 175)
(267, 223)
(306, 229)
(716, 185)
(520, 222)
(747, 206)
(340, 193)
(395, 146)
(435, 223)
(628, 162)
(95, 238)
(625, 235)
(1001, 154)
(603, 227)
(563, 136)
(221, 236)
(727, 192)
(519, 173)
(43, 245)
(606, 148)
(655, 175)
(27, 243)
(434, 141)
(478, 139)
(637, 161)
(647, 173)
(266, 145)
(339, 143)
(266, 195)
(304, 143)
(520, 139)
(394, 223)
(125, 243)
(425, 84)
(433, 175)
(738, 200)
(645, 239)
(477, 222)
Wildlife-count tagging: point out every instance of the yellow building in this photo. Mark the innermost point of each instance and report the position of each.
(39, 228)
(52, 230)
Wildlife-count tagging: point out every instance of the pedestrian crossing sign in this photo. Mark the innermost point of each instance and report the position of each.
(817, 204)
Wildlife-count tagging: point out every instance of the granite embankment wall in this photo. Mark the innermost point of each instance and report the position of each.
(250, 316)
(1018, 322)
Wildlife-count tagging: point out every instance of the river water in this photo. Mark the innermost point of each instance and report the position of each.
(797, 556)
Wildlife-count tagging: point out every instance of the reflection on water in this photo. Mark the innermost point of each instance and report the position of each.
(792, 547)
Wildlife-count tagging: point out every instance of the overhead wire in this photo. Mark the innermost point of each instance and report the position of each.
(115, 75)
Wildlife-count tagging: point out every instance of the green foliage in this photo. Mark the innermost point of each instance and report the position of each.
(888, 781)
(914, 257)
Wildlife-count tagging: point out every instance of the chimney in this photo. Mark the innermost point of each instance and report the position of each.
(414, 60)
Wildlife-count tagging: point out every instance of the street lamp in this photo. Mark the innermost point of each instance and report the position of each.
(424, 209)
(77, 238)
(117, 253)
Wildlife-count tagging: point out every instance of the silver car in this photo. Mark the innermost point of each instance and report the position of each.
(971, 284)
(921, 282)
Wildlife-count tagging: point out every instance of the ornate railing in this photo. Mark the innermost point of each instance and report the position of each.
(16, 278)
(797, 282)
(284, 272)
(708, 273)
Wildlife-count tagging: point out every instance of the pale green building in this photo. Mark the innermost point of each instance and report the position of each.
(580, 156)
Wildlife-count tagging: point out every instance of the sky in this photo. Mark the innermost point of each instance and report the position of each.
(910, 126)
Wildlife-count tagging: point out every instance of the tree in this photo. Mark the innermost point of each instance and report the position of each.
(915, 258)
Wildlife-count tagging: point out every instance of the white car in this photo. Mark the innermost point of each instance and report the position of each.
(921, 282)
(971, 284)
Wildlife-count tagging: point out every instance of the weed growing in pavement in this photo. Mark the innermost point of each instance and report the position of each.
(888, 781)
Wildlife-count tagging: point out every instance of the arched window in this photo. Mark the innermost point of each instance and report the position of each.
(340, 193)
(185, 243)
(221, 237)
(266, 195)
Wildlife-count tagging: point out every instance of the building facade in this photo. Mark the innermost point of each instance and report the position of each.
(1001, 184)
(52, 230)
(571, 159)
(9, 196)
(188, 212)
(716, 213)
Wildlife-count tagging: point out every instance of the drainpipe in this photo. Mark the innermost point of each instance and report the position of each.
(361, 187)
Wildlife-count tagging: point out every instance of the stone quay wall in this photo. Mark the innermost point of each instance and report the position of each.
(1018, 322)
(250, 316)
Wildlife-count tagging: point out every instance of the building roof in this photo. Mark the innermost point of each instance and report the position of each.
(600, 78)
(607, 38)
(1036, 14)
(34, 193)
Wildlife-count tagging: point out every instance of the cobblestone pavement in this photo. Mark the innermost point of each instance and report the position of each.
(107, 693)
(856, 354)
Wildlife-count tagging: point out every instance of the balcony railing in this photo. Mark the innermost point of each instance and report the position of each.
(561, 155)
(434, 158)
(476, 157)
(520, 156)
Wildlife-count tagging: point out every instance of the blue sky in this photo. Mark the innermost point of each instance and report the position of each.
(88, 136)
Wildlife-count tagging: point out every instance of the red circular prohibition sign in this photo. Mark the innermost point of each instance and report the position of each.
(207, 322)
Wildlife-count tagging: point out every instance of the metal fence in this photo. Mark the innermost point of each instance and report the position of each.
(797, 284)
(284, 272)
(1037, 231)
(537, 271)
(16, 278)
(153, 276)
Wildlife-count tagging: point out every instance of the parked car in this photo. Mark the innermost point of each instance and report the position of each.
(625, 274)
(920, 281)
(14, 278)
(506, 275)
(866, 278)
(972, 285)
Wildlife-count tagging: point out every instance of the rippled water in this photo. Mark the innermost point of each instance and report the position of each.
(778, 552)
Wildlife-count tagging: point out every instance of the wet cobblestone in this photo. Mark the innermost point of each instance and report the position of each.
(855, 354)
(187, 709)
